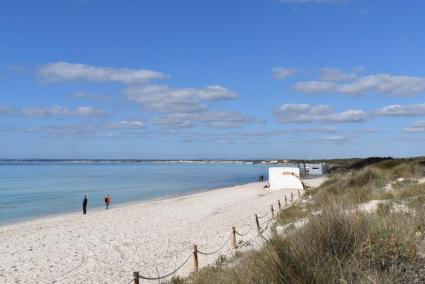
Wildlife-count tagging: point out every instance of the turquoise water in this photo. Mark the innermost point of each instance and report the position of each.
(35, 189)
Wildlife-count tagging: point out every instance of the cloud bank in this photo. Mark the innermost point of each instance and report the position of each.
(305, 113)
(64, 71)
(380, 83)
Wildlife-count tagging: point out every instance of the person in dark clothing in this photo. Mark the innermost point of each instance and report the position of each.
(85, 204)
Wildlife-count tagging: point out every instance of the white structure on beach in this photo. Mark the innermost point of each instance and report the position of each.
(316, 169)
(285, 178)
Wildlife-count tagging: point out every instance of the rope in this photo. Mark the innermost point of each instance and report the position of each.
(242, 235)
(252, 240)
(216, 251)
(261, 231)
(267, 221)
(259, 217)
(260, 234)
(167, 275)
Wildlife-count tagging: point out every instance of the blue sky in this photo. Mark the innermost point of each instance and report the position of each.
(248, 79)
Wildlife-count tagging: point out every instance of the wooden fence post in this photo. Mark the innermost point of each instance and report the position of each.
(278, 204)
(271, 208)
(292, 197)
(258, 224)
(136, 277)
(233, 237)
(195, 258)
(286, 200)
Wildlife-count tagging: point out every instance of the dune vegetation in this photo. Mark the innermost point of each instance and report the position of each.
(363, 225)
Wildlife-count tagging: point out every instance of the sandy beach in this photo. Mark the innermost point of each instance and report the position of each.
(106, 246)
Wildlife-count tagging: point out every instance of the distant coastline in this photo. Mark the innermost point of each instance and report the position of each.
(122, 161)
(180, 161)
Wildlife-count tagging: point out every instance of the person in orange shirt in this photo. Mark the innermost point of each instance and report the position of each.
(107, 201)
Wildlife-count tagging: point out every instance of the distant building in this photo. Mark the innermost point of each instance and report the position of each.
(284, 178)
(316, 169)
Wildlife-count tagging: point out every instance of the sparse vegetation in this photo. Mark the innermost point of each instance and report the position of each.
(342, 245)
(292, 214)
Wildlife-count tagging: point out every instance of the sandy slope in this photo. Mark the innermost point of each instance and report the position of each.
(106, 246)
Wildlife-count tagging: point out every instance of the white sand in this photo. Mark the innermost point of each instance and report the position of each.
(370, 206)
(106, 246)
(315, 181)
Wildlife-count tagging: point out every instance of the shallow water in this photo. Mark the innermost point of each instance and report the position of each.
(35, 189)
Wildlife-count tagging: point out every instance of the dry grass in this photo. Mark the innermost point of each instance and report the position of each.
(292, 214)
(338, 246)
(333, 247)
(355, 187)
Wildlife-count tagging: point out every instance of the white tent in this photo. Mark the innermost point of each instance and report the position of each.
(285, 178)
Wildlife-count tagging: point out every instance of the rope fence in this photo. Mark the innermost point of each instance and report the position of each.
(243, 235)
(194, 254)
(263, 216)
(163, 276)
(218, 250)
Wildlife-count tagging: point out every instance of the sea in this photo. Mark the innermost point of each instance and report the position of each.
(36, 188)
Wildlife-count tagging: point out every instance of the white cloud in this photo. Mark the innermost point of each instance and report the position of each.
(334, 139)
(335, 75)
(367, 130)
(381, 83)
(224, 119)
(88, 96)
(351, 115)
(173, 120)
(64, 71)
(315, 86)
(313, 1)
(283, 73)
(418, 126)
(399, 110)
(62, 111)
(325, 129)
(158, 98)
(304, 113)
(84, 130)
(280, 132)
(257, 135)
(73, 130)
(212, 119)
(412, 139)
(125, 124)
(6, 110)
(387, 84)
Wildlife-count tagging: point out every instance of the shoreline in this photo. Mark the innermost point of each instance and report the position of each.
(152, 237)
(17, 221)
